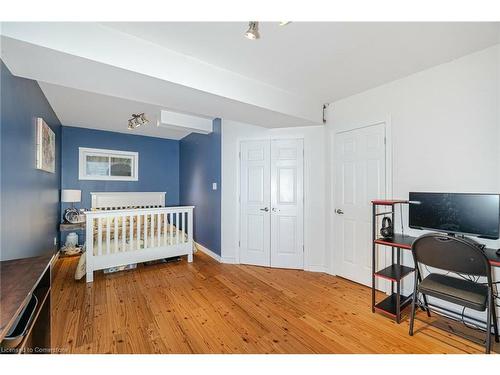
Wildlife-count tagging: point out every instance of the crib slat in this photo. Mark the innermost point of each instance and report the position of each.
(177, 228)
(146, 222)
(108, 235)
(170, 222)
(124, 232)
(181, 227)
(183, 239)
(138, 239)
(99, 236)
(131, 234)
(152, 230)
(158, 228)
(115, 236)
(165, 229)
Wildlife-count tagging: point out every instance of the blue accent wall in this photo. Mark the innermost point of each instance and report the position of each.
(200, 166)
(29, 197)
(158, 163)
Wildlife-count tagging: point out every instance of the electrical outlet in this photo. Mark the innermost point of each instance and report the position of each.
(214, 185)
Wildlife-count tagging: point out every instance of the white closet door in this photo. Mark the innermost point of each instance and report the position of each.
(255, 200)
(359, 178)
(287, 203)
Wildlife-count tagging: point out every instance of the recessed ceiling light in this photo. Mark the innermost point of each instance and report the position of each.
(253, 30)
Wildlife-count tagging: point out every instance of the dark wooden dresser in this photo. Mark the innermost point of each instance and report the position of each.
(25, 305)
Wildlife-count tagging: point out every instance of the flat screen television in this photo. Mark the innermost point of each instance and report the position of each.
(456, 213)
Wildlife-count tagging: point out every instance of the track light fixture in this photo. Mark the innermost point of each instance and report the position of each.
(137, 120)
(253, 30)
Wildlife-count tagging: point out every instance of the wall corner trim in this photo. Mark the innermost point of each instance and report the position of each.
(209, 252)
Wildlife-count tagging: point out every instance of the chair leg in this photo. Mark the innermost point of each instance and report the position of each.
(488, 324)
(417, 270)
(413, 305)
(495, 322)
(426, 305)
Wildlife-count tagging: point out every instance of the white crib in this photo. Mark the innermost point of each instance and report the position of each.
(126, 228)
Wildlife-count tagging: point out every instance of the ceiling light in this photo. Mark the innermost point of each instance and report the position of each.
(137, 120)
(253, 30)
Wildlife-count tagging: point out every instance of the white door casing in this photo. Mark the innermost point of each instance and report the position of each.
(287, 203)
(255, 197)
(272, 203)
(360, 176)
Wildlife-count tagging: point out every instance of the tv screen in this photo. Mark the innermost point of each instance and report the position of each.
(462, 213)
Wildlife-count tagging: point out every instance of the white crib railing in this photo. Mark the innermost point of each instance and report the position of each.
(120, 237)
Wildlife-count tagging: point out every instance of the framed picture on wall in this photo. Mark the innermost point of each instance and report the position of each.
(45, 147)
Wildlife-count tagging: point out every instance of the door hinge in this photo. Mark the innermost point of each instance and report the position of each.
(303, 250)
(239, 155)
(239, 243)
(385, 140)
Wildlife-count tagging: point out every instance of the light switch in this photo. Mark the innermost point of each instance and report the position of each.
(214, 185)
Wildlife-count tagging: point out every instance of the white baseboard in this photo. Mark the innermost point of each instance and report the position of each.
(230, 260)
(315, 268)
(209, 252)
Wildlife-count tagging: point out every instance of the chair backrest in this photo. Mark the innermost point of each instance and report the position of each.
(451, 254)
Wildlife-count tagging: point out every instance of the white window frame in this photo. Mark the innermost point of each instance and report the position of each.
(83, 152)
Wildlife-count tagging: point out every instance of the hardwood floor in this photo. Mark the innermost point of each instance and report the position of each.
(207, 307)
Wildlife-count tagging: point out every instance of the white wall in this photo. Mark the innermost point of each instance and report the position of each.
(315, 258)
(445, 127)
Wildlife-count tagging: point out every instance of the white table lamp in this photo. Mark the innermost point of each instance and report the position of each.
(71, 196)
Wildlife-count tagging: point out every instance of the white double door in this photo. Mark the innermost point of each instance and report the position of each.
(272, 203)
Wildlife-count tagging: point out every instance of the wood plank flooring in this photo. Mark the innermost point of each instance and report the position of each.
(208, 307)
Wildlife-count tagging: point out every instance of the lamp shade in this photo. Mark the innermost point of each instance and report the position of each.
(71, 196)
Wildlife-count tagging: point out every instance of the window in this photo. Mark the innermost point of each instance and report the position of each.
(97, 164)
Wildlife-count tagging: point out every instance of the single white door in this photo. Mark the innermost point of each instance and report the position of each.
(287, 203)
(255, 198)
(359, 178)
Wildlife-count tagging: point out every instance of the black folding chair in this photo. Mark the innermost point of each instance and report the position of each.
(461, 256)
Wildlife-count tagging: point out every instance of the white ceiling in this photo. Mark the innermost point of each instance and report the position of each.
(86, 109)
(325, 60)
(97, 59)
(96, 75)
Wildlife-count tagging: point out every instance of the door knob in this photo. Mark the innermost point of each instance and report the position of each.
(339, 211)
(265, 209)
(275, 209)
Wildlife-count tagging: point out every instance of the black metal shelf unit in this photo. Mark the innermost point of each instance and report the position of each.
(395, 303)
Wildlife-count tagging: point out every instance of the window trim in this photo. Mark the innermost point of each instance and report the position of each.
(82, 165)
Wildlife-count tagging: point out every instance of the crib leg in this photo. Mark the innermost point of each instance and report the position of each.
(190, 258)
(90, 277)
